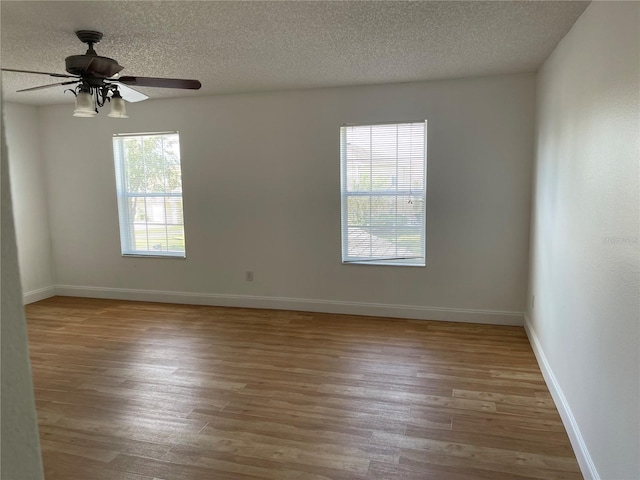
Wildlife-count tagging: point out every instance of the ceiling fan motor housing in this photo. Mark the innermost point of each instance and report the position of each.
(96, 65)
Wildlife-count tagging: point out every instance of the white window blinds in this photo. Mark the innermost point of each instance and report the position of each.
(383, 192)
(149, 189)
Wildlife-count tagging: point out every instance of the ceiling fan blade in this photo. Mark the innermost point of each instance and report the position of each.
(48, 86)
(59, 75)
(131, 95)
(160, 82)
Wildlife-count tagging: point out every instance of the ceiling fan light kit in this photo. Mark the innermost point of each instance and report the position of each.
(98, 83)
(85, 106)
(118, 108)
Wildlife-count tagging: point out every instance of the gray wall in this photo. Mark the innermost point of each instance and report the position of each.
(29, 200)
(20, 446)
(585, 257)
(261, 184)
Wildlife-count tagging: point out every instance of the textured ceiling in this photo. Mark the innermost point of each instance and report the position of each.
(244, 46)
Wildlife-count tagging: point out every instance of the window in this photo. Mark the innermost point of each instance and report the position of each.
(383, 190)
(149, 188)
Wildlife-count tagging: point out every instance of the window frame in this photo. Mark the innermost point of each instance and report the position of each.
(127, 237)
(419, 261)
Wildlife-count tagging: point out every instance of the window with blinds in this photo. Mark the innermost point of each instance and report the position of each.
(383, 190)
(149, 190)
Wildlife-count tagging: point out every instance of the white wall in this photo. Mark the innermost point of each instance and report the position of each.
(29, 201)
(261, 192)
(20, 446)
(585, 258)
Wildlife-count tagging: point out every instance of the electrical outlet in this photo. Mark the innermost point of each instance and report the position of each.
(249, 277)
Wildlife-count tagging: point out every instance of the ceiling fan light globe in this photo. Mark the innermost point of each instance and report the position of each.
(118, 108)
(83, 114)
(85, 106)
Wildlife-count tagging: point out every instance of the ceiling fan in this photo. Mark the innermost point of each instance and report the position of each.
(97, 81)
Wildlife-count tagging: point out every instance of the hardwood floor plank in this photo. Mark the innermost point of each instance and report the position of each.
(95, 440)
(329, 418)
(148, 391)
(196, 465)
(478, 452)
(63, 466)
(385, 471)
(418, 460)
(530, 444)
(523, 400)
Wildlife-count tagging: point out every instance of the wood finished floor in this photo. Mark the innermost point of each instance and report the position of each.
(142, 391)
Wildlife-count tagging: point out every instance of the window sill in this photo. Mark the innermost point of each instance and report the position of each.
(179, 256)
(385, 263)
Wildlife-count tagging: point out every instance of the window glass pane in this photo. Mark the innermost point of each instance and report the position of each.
(175, 238)
(383, 241)
(154, 175)
(134, 165)
(383, 210)
(155, 210)
(388, 161)
(359, 179)
(137, 209)
(411, 240)
(157, 238)
(140, 237)
(383, 143)
(383, 175)
(359, 241)
(149, 187)
(359, 207)
(173, 179)
(410, 211)
(173, 210)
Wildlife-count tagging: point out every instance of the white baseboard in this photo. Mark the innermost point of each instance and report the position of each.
(302, 304)
(575, 436)
(38, 294)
